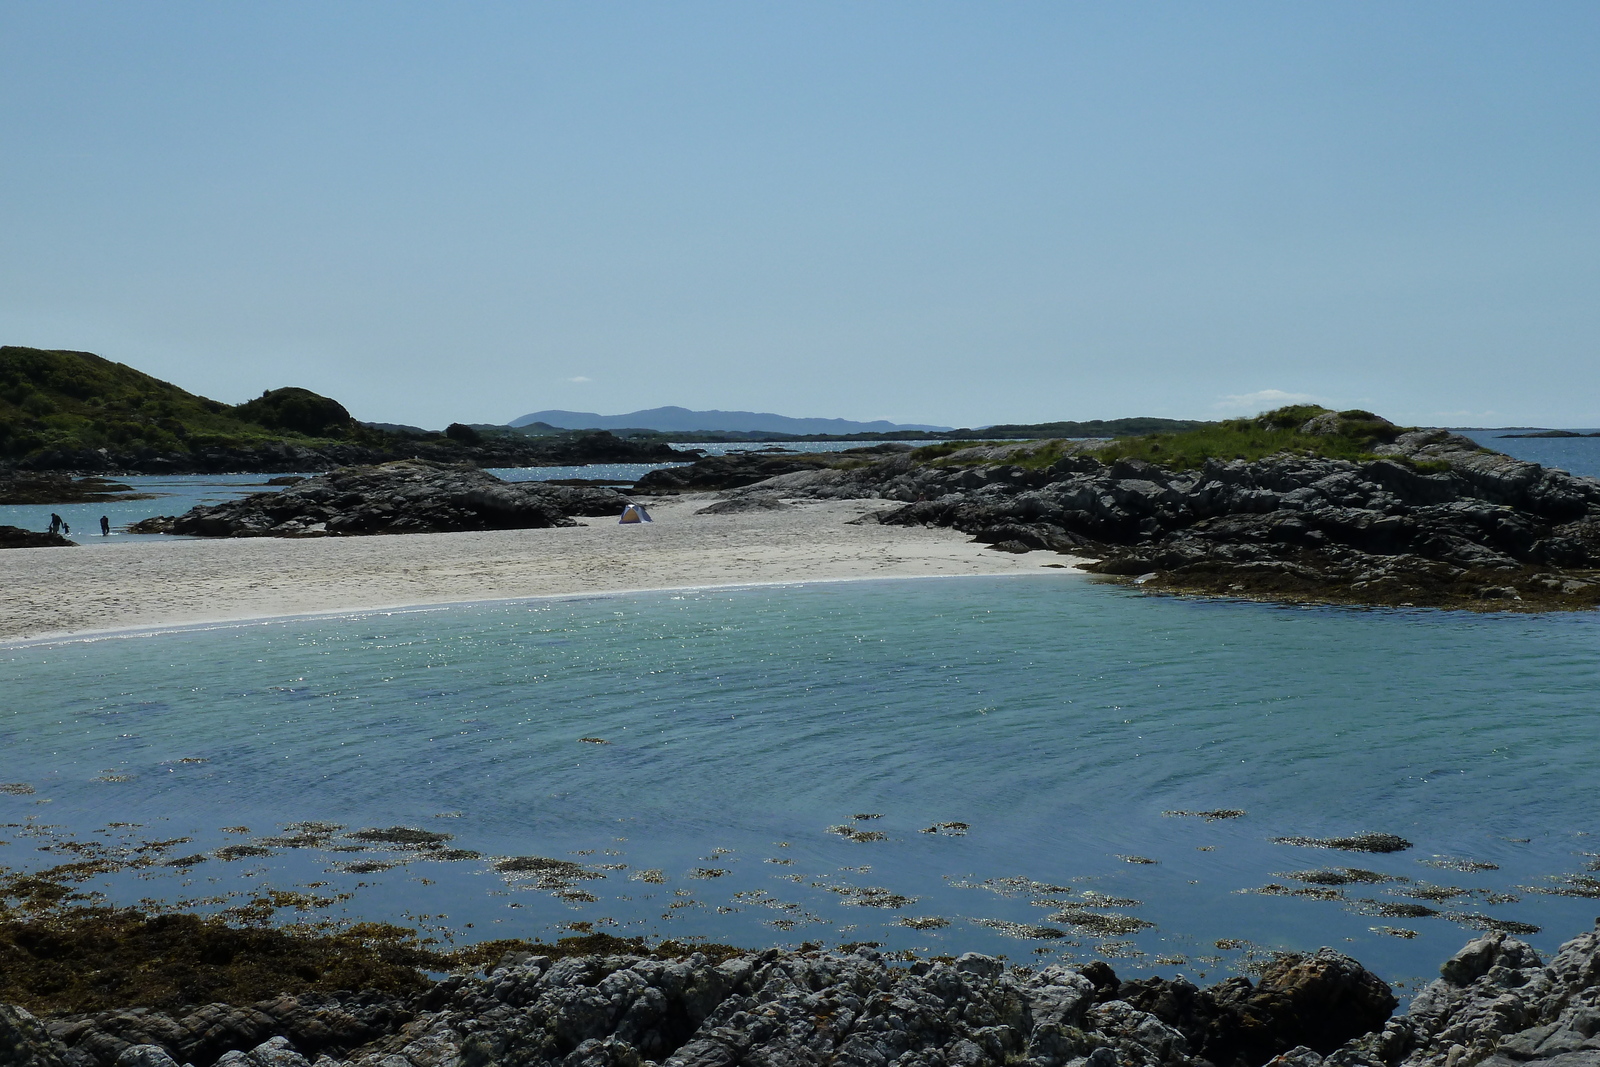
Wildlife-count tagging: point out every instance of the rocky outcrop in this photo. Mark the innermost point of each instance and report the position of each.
(1496, 1004)
(17, 537)
(54, 488)
(731, 471)
(737, 469)
(1434, 520)
(765, 1008)
(404, 497)
(24, 1041)
(273, 457)
(282, 1031)
(1317, 1002)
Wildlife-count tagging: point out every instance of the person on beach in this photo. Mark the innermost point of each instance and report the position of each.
(105, 526)
(65, 529)
(55, 523)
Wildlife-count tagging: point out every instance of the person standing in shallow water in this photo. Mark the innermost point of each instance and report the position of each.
(105, 526)
(55, 523)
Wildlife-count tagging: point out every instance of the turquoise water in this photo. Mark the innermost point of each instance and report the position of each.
(171, 494)
(1057, 718)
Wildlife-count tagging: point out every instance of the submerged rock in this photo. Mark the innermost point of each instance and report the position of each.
(54, 488)
(411, 496)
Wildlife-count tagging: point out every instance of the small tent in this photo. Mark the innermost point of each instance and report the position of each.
(634, 513)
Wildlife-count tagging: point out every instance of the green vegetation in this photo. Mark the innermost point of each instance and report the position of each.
(1350, 435)
(1302, 429)
(77, 400)
(299, 411)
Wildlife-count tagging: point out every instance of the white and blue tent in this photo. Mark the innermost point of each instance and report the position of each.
(634, 513)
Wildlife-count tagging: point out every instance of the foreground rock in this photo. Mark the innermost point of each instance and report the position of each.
(765, 1008)
(1497, 1004)
(404, 497)
(1435, 521)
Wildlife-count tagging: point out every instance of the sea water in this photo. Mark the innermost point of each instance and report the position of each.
(1575, 455)
(161, 494)
(936, 765)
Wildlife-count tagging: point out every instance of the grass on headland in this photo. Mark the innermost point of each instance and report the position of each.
(1355, 436)
(1351, 435)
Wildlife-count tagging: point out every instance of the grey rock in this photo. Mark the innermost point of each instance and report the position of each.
(747, 502)
(1496, 1002)
(24, 1041)
(410, 496)
(276, 1052)
(145, 1056)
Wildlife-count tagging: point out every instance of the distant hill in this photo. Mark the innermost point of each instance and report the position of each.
(682, 419)
(62, 410)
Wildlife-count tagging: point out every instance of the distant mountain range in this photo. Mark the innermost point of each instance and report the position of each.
(682, 419)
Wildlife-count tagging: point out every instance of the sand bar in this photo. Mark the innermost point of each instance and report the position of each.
(59, 591)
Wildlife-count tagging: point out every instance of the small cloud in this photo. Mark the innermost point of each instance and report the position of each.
(580, 379)
(1262, 400)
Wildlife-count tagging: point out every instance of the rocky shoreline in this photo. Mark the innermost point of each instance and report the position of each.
(1495, 1003)
(280, 457)
(1430, 519)
(413, 496)
(1379, 516)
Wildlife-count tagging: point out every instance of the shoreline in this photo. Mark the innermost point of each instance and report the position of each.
(59, 595)
(346, 1000)
(201, 625)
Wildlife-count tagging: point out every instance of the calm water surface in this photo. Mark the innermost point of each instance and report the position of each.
(1576, 455)
(774, 759)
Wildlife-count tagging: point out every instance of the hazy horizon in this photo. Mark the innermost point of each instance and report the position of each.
(926, 213)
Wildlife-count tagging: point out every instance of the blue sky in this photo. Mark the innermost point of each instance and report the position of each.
(928, 212)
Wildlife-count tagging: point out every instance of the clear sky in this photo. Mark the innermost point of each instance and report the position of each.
(923, 211)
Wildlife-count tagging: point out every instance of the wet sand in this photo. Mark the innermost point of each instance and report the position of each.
(58, 591)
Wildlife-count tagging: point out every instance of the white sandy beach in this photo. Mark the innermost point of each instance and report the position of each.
(59, 591)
